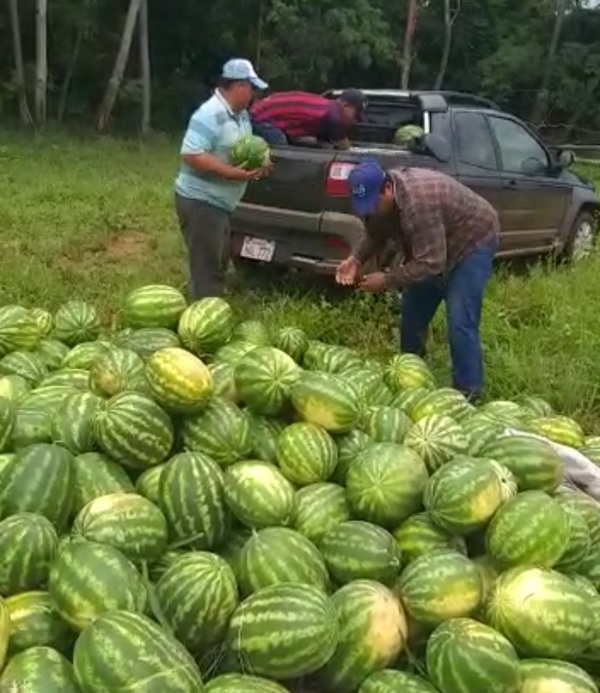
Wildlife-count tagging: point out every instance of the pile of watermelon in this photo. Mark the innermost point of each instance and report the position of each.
(194, 503)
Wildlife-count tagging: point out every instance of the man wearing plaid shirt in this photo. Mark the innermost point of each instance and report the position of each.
(448, 237)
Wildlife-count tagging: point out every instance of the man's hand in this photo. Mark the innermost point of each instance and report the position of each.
(373, 282)
(347, 271)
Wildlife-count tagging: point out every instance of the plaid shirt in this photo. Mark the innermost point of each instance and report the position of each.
(437, 222)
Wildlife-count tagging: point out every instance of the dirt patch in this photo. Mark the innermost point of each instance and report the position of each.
(127, 248)
(133, 245)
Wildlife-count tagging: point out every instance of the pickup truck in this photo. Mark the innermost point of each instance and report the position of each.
(300, 217)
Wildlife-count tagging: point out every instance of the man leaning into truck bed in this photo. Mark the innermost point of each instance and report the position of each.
(448, 236)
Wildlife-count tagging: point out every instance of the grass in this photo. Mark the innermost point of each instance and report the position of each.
(93, 218)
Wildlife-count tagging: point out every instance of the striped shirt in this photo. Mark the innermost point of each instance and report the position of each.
(301, 114)
(212, 129)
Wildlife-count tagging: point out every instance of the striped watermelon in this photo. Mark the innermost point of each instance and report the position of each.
(38, 669)
(530, 529)
(233, 352)
(46, 398)
(44, 320)
(373, 633)
(72, 425)
(84, 355)
(418, 536)
(356, 550)
(88, 579)
(148, 340)
(386, 424)
(28, 365)
(52, 352)
(198, 595)
(489, 571)
(7, 421)
(580, 502)
(155, 305)
(75, 378)
(327, 401)
(560, 429)
(253, 331)
(164, 666)
(540, 675)
(543, 613)
(349, 445)
(31, 426)
(579, 545)
(408, 399)
(134, 430)
(76, 322)
(277, 555)
(97, 475)
(464, 656)
(437, 439)
(192, 499)
(508, 481)
(445, 400)
(236, 683)
(392, 681)
(335, 358)
(40, 479)
(306, 453)
(293, 341)
(264, 378)
(18, 329)
(463, 495)
(157, 569)
(385, 484)
(28, 544)
(440, 586)
(510, 414)
(264, 433)
(535, 464)
(13, 387)
(206, 325)
(221, 431)
(125, 521)
(259, 495)
(536, 405)
(148, 483)
(223, 377)
(293, 652)
(371, 388)
(35, 623)
(313, 354)
(407, 372)
(116, 371)
(589, 566)
(178, 380)
(319, 507)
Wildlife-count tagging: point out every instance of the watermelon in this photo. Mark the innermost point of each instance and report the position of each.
(102, 662)
(148, 483)
(260, 636)
(236, 683)
(125, 521)
(418, 536)
(74, 378)
(356, 550)
(373, 392)
(116, 371)
(178, 380)
(206, 325)
(97, 475)
(293, 341)
(579, 544)
(52, 352)
(405, 136)
(18, 329)
(38, 669)
(535, 464)
(134, 430)
(252, 331)
(84, 355)
(259, 495)
(349, 445)
(439, 586)
(373, 633)
(264, 433)
(221, 431)
(446, 400)
(41, 480)
(278, 555)
(223, 377)
(155, 305)
(583, 504)
(559, 429)
(72, 425)
(463, 495)
(35, 623)
(249, 152)
(233, 352)
(198, 595)
(46, 398)
(327, 401)
(264, 378)
(437, 439)
(508, 481)
(4, 632)
(44, 320)
(148, 340)
(489, 571)
(28, 365)
(13, 387)
(407, 372)
(318, 508)
(589, 566)
(543, 613)
(88, 579)
(510, 414)
(530, 529)
(76, 322)
(306, 453)
(31, 426)
(192, 499)
(385, 484)
(392, 681)
(28, 544)
(540, 675)
(537, 406)
(464, 656)
(386, 424)
(7, 421)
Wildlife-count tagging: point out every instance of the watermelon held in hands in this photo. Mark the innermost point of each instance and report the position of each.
(250, 152)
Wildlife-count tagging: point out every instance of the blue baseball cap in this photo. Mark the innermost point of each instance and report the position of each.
(365, 181)
(242, 70)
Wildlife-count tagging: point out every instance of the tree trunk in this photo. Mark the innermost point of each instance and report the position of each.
(116, 78)
(66, 83)
(407, 53)
(450, 16)
(41, 52)
(260, 21)
(540, 106)
(145, 68)
(24, 111)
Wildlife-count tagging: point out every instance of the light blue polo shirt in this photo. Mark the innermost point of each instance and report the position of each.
(212, 129)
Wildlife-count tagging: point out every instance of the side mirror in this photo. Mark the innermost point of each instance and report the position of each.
(566, 158)
(436, 146)
(533, 166)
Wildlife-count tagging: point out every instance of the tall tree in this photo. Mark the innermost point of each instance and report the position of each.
(15, 25)
(145, 68)
(41, 62)
(451, 12)
(409, 33)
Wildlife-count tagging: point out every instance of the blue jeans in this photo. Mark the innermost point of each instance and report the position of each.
(462, 290)
(270, 134)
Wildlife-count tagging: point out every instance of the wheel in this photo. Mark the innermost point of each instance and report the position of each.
(582, 238)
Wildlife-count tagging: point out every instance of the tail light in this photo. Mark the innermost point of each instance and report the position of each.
(336, 184)
(337, 243)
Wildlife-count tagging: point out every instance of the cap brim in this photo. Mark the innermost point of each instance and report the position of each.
(362, 206)
(258, 83)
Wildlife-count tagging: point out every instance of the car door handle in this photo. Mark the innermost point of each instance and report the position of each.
(510, 185)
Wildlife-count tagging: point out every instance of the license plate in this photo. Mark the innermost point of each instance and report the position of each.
(258, 249)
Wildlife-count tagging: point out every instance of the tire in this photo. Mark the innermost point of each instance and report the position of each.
(582, 238)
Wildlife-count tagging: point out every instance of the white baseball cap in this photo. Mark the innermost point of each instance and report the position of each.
(243, 70)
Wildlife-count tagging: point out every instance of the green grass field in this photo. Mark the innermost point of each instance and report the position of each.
(92, 219)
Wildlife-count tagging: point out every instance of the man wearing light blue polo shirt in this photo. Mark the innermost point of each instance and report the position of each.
(208, 187)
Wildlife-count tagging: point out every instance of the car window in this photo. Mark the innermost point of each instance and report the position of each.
(518, 149)
(474, 143)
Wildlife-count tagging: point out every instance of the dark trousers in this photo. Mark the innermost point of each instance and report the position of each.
(206, 230)
(463, 291)
(271, 135)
